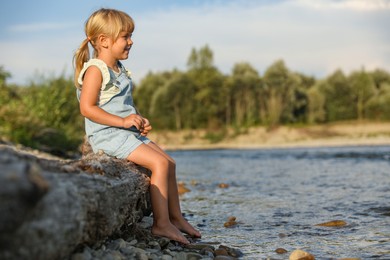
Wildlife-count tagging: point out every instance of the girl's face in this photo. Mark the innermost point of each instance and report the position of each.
(121, 47)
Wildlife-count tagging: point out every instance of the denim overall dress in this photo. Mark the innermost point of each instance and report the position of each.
(116, 98)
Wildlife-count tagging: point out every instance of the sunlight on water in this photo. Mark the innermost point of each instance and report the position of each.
(279, 195)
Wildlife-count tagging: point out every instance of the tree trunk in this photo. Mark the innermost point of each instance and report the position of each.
(49, 206)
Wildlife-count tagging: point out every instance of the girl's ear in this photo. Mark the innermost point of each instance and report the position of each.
(103, 40)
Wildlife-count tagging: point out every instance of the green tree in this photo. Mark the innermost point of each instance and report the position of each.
(363, 88)
(338, 97)
(174, 102)
(279, 94)
(201, 59)
(53, 102)
(380, 77)
(301, 98)
(316, 105)
(242, 94)
(4, 75)
(377, 107)
(144, 93)
(208, 81)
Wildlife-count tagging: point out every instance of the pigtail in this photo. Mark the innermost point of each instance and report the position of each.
(80, 57)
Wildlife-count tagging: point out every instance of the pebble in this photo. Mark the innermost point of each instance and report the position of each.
(223, 257)
(231, 222)
(220, 251)
(333, 223)
(182, 188)
(280, 250)
(301, 255)
(223, 185)
(143, 245)
(207, 251)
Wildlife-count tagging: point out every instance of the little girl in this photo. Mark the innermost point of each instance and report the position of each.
(112, 122)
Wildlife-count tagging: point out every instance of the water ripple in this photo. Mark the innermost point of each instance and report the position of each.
(279, 195)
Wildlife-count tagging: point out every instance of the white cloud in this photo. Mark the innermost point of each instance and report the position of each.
(312, 40)
(38, 27)
(361, 5)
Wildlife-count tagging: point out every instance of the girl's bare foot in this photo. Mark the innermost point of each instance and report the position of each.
(169, 231)
(186, 227)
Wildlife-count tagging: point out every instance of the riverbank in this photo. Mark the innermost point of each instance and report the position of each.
(141, 244)
(336, 134)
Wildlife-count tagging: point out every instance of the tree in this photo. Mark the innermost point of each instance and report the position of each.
(279, 94)
(316, 105)
(208, 82)
(362, 88)
(338, 97)
(301, 98)
(242, 94)
(201, 59)
(173, 102)
(380, 77)
(4, 75)
(145, 91)
(377, 107)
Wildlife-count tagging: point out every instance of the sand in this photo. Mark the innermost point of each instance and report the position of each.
(337, 134)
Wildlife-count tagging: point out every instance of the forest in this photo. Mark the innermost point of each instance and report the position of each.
(45, 115)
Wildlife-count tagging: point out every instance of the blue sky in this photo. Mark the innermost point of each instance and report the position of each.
(314, 37)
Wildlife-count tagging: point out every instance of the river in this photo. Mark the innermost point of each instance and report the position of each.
(278, 197)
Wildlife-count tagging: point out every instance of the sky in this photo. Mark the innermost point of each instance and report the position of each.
(314, 37)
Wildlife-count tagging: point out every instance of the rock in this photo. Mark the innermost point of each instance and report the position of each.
(207, 251)
(182, 188)
(223, 257)
(53, 206)
(117, 244)
(301, 255)
(163, 242)
(282, 235)
(166, 257)
(154, 245)
(223, 185)
(234, 252)
(132, 242)
(86, 255)
(140, 253)
(199, 246)
(22, 187)
(333, 223)
(193, 256)
(231, 222)
(143, 244)
(220, 251)
(280, 250)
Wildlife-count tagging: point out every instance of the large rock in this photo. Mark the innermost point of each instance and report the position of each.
(50, 207)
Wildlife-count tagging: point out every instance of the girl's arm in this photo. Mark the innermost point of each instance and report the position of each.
(146, 126)
(89, 99)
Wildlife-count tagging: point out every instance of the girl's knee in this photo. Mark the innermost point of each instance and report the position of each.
(162, 163)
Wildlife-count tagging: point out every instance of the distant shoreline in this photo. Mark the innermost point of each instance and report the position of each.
(329, 135)
(287, 146)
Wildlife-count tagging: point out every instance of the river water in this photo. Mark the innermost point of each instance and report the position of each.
(279, 195)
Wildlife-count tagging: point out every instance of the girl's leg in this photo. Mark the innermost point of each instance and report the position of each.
(175, 213)
(159, 190)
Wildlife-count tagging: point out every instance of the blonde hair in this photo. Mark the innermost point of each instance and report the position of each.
(109, 22)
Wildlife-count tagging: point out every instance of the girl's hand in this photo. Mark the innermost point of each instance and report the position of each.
(134, 120)
(146, 128)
